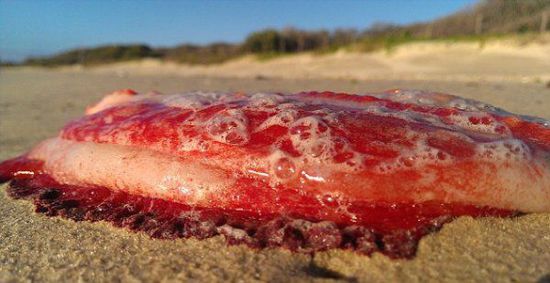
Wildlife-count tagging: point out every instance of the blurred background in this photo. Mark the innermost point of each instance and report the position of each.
(54, 33)
(425, 39)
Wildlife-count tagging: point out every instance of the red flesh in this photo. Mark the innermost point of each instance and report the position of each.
(392, 228)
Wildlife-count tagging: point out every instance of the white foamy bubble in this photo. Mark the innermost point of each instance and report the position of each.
(479, 122)
(284, 119)
(310, 136)
(309, 127)
(282, 166)
(286, 105)
(229, 127)
(192, 100)
(265, 100)
(422, 154)
(505, 150)
(433, 99)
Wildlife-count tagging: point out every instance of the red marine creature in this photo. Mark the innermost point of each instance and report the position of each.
(308, 171)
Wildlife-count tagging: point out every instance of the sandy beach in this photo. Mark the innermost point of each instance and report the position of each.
(35, 103)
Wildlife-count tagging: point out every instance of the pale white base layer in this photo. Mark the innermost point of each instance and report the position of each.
(131, 169)
(513, 185)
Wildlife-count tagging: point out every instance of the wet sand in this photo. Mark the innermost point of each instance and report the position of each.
(34, 104)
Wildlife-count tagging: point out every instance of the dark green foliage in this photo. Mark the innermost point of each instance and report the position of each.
(264, 42)
(497, 17)
(93, 56)
(194, 54)
(7, 63)
(292, 40)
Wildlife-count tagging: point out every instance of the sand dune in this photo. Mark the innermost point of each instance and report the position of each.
(495, 60)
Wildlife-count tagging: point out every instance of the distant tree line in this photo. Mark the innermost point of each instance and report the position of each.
(292, 40)
(488, 17)
(289, 40)
(98, 55)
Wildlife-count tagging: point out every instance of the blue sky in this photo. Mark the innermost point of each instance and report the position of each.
(31, 28)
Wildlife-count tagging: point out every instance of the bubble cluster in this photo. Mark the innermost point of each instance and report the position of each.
(509, 150)
(191, 100)
(229, 127)
(283, 118)
(267, 100)
(481, 123)
(312, 135)
(308, 131)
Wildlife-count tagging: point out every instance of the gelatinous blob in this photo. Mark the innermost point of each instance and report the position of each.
(308, 171)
